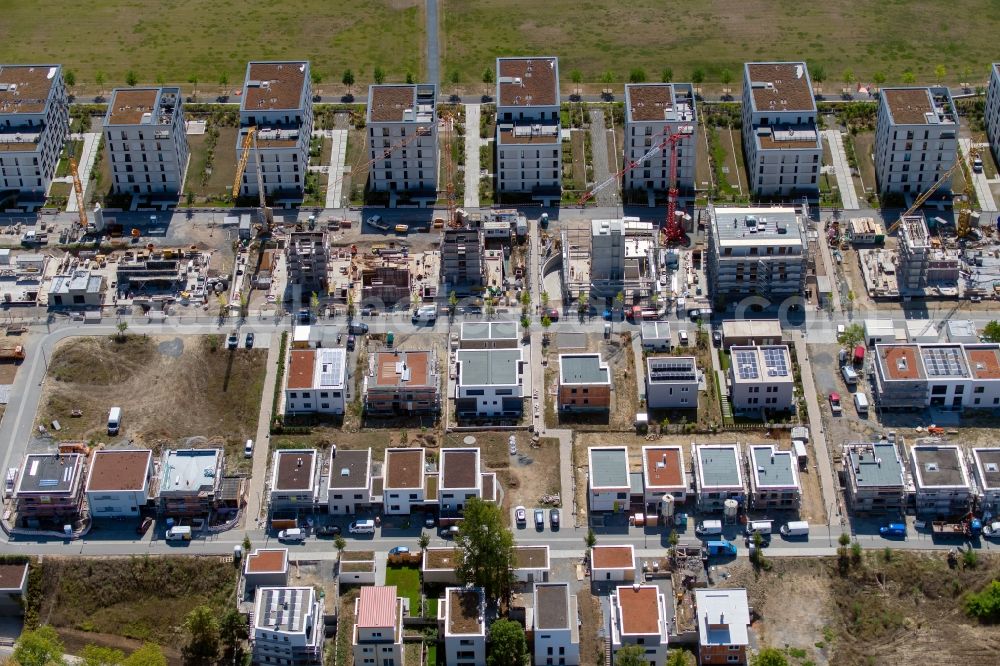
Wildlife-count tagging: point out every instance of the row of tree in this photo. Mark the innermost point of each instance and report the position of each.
(42, 647)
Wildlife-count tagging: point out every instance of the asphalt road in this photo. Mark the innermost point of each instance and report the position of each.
(433, 44)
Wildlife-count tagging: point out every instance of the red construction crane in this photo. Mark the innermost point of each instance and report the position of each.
(673, 230)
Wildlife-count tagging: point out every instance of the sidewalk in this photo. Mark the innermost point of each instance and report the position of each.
(262, 445)
(84, 166)
(979, 180)
(848, 196)
(335, 175)
(472, 166)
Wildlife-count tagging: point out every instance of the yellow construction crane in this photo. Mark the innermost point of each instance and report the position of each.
(78, 191)
(264, 213)
(925, 196)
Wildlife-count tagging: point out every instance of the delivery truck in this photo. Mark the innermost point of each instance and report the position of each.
(795, 528)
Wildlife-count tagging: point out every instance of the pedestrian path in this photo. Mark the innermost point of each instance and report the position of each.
(848, 195)
(84, 166)
(979, 180)
(338, 154)
(472, 166)
(608, 196)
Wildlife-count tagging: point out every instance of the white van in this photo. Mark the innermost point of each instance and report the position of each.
(248, 449)
(425, 315)
(795, 528)
(682, 337)
(179, 533)
(761, 526)
(294, 534)
(861, 403)
(849, 374)
(11, 479)
(708, 528)
(114, 420)
(362, 527)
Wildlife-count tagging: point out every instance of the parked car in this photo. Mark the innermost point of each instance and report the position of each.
(249, 340)
(232, 342)
(977, 165)
(305, 316)
(554, 518)
(399, 550)
(357, 328)
(835, 406)
(248, 449)
(717, 338)
(893, 531)
(328, 530)
(539, 519)
(292, 535)
(351, 343)
(143, 527)
(368, 311)
(520, 515)
(551, 313)
(362, 527)
(450, 532)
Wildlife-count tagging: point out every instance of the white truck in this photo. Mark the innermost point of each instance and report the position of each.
(795, 528)
(708, 528)
(179, 533)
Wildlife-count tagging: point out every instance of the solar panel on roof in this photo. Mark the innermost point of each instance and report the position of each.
(774, 359)
(332, 370)
(746, 364)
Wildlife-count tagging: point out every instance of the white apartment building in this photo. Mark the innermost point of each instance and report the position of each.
(461, 620)
(556, 625)
(760, 380)
(774, 478)
(609, 478)
(916, 139)
(119, 482)
(277, 101)
(653, 113)
(992, 114)
(403, 484)
(528, 142)
(612, 563)
(639, 617)
(403, 140)
(378, 626)
(943, 486)
(656, 335)
(723, 625)
(671, 382)
(34, 122)
(490, 383)
(459, 479)
(295, 479)
(756, 252)
(986, 468)
(943, 375)
(146, 141)
(780, 139)
(348, 485)
(316, 382)
(875, 477)
(718, 475)
(288, 626)
(663, 473)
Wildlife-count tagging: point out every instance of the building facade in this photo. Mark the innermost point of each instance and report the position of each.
(403, 484)
(718, 471)
(584, 383)
(490, 383)
(288, 626)
(34, 122)
(378, 627)
(943, 486)
(119, 482)
(639, 617)
(653, 113)
(145, 137)
(992, 114)
(307, 255)
(295, 475)
(316, 382)
(723, 626)
(556, 626)
(349, 483)
(459, 479)
(916, 139)
(986, 470)
(462, 259)
(874, 477)
(671, 382)
(49, 486)
(609, 478)
(761, 381)
(461, 622)
(402, 139)
(277, 103)
(663, 473)
(774, 478)
(942, 375)
(781, 141)
(79, 289)
(190, 481)
(402, 382)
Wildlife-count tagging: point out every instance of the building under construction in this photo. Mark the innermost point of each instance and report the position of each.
(462, 253)
(156, 271)
(306, 259)
(386, 286)
(923, 262)
(608, 258)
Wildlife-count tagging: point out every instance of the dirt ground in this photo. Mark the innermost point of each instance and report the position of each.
(173, 391)
(882, 611)
(591, 620)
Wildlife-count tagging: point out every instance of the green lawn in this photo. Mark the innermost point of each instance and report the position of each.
(178, 40)
(407, 582)
(717, 35)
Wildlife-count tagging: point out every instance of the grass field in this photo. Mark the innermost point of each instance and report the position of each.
(715, 35)
(176, 41)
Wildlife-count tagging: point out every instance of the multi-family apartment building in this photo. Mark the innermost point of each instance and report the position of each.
(191, 481)
(875, 477)
(916, 139)
(490, 383)
(403, 484)
(986, 472)
(584, 383)
(992, 114)
(461, 621)
(718, 475)
(663, 473)
(34, 122)
(760, 380)
(756, 252)
(528, 142)
(316, 382)
(378, 627)
(49, 486)
(609, 478)
(922, 262)
(774, 478)
(403, 140)
(941, 480)
(556, 625)
(277, 103)
(145, 137)
(119, 482)
(462, 259)
(751, 333)
(459, 478)
(349, 484)
(295, 476)
(639, 617)
(781, 141)
(723, 626)
(307, 255)
(401, 382)
(288, 626)
(671, 382)
(653, 113)
(943, 375)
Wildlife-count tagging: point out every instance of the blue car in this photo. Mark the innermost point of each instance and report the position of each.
(399, 550)
(893, 530)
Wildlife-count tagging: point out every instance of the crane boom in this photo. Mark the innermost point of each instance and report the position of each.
(919, 201)
(241, 166)
(250, 141)
(78, 191)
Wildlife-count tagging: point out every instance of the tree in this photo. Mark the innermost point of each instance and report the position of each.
(99, 80)
(879, 78)
(315, 76)
(246, 544)
(848, 77)
(39, 647)
(350, 304)
(631, 655)
(452, 302)
(149, 654)
(939, 73)
(545, 299)
(770, 657)
(991, 332)
(96, 655)
(818, 73)
(378, 75)
(677, 658)
(844, 539)
(409, 78)
(546, 322)
(348, 80)
(233, 631)
(486, 548)
(339, 544)
(726, 76)
(203, 635)
(581, 303)
(637, 75)
(698, 76)
(423, 541)
(131, 78)
(667, 75)
(122, 330)
(909, 78)
(983, 605)
(576, 76)
(508, 646)
(608, 77)
(852, 336)
(224, 80)
(489, 78)
(314, 304)
(590, 539)
(620, 300)
(525, 300)
(193, 80)
(526, 325)
(70, 78)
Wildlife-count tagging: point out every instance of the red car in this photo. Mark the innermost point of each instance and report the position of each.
(835, 404)
(552, 314)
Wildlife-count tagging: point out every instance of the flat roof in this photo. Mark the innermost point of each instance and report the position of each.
(770, 363)
(988, 463)
(723, 616)
(608, 467)
(377, 607)
(389, 103)
(272, 86)
(938, 466)
(900, 361)
(552, 606)
(284, 609)
(612, 557)
(583, 369)
(751, 328)
(128, 105)
(190, 470)
(404, 468)
(528, 81)
(876, 465)
(943, 361)
(773, 468)
(302, 363)
(294, 469)
(531, 557)
(639, 609)
(402, 368)
(49, 473)
(349, 469)
(267, 560)
(757, 227)
(123, 470)
(12, 576)
(489, 330)
(465, 611)
(446, 557)
(459, 468)
(719, 466)
(663, 467)
(671, 369)
(908, 106)
(780, 86)
(488, 367)
(25, 88)
(655, 330)
(659, 102)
